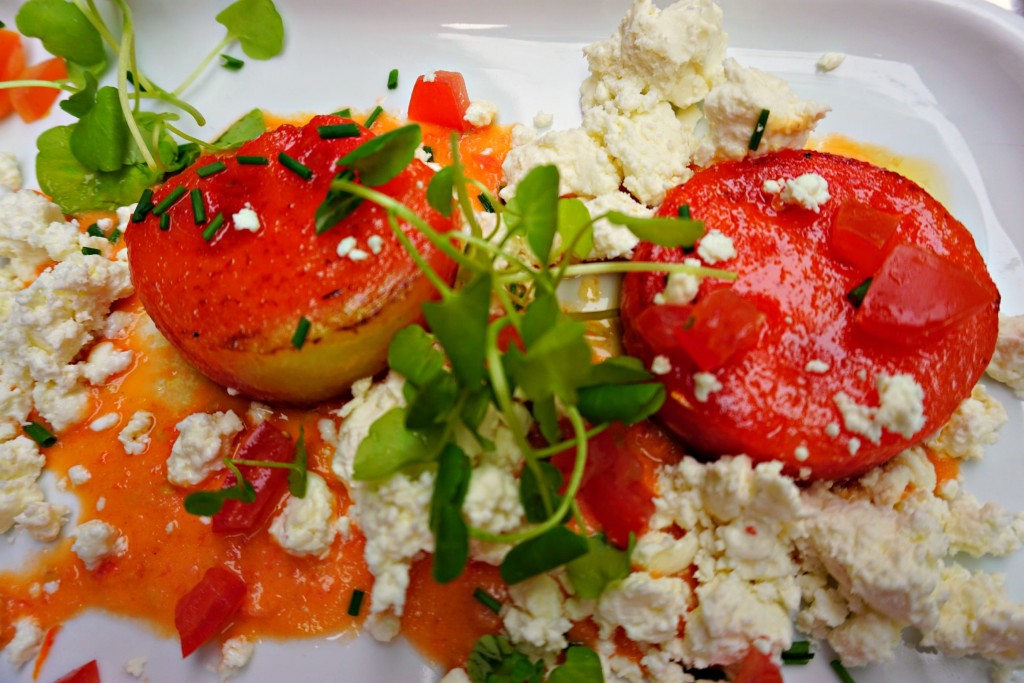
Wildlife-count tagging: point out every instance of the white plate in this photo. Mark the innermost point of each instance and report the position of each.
(937, 79)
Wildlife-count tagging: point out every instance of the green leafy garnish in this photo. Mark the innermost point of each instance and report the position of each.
(355, 603)
(582, 665)
(40, 434)
(856, 295)
(534, 210)
(209, 503)
(64, 30)
(231, 63)
(799, 653)
(382, 158)
(494, 660)
(540, 496)
(542, 554)
(487, 600)
(841, 673)
(759, 128)
(390, 446)
(666, 232)
(256, 25)
(452, 537)
(602, 565)
(298, 473)
(248, 127)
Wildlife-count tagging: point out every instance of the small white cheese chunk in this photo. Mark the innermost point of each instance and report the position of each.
(714, 247)
(481, 113)
(136, 667)
(97, 540)
(236, 653)
(705, 384)
(104, 422)
(135, 435)
(661, 365)
(203, 438)
(26, 643)
(304, 527)
(830, 61)
(79, 475)
(246, 219)
(42, 520)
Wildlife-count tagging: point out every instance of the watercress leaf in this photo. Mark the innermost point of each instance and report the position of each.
(208, 503)
(257, 26)
(380, 159)
(474, 409)
(494, 660)
(99, 140)
(79, 104)
(184, 157)
(434, 402)
(541, 554)
(248, 127)
(546, 415)
(389, 446)
(460, 323)
(451, 537)
(64, 30)
(166, 146)
(439, 191)
(298, 473)
(666, 232)
(534, 210)
(541, 315)
(627, 404)
(573, 219)
(554, 365)
(413, 355)
(336, 207)
(602, 565)
(78, 74)
(618, 370)
(582, 665)
(531, 491)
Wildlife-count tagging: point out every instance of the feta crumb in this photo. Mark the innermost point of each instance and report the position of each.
(51, 587)
(97, 540)
(136, 667)
(42, 520)
(536, 616)
(661, 365)
(375, 243)
(10, 174)
(202, 440)
(304, 527)
(481, 113)
(26, 643)
(79, 475)
(680, 288)
(236, 653)
(705, 384)
(104, 422)
(543, 119)
(817, 366)
(801, 453)
(809, 190)
(973, 425)
(832, 429)
(456, 676)
(830, 61)
(246, 219)
(357, 255)
(714, 247)
(135, 435)
(104, 362)
(346, 245)
(614, 241)
(900, 409)
(649, 609)
(1007, 364)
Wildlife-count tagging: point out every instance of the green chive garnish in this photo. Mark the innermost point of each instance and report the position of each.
(683, 211)
(393, 79)
(487, 600)
(252, 160)
(841, 672)
(755, 139)
(213, 227)
(377, 111)
(210, 169)
(198, 206)
(301, 330)
(799, 653)
(143, 206)
(356, 603)
(231, 63)
(856, 295)
(295, 166)
(114, 236)
(40, 434)
(338, 130)
(486, 202)
(90, 251)
(429, 151)
(95, 231)
(344, 113)
(169, 201)
(165, 222)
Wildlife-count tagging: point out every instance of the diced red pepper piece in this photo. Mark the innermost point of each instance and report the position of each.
(657, 325)
(441, 98)
(918, 294)
(208, 608)
(34, 103)
(266, 442)
(12, 61)
(757, 667)
(87, 673)
(722, 324)
(862, 234)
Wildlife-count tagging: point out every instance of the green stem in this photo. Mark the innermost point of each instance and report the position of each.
(122, 92)
(96, 19)
(439, 284)
(265, 463)
(564, 445)
(582, 269)
(584, 316)
(228, 39)
(56, 85)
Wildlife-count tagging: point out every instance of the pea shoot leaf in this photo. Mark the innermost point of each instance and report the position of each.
(451, 537)
(209, 503)
(390, 446)
(336, 206)
(603, 564)
(248, 127)
(79, 104)
(540, 316)
(413, 355)
(666, 232)
(460, 323)
(298, 474)
(257, 26)
(582, 665)
(546, 415)
(64, 30)
(532, 491)
(573, 219)
(534, 210)
(627, 404)
(433, 402)
(380, 159)
(541, 554)
(100, 138)
(439, 191)
(618, 370)
(554, 365)
(494, 660)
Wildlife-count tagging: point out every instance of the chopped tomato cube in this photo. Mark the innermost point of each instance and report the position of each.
(208, 608)
(12, 61)
(441, 98)
(862, 234)
(722, 324)
(657, 325)
(757, 667)
(87, 673)
(33, 104)
(266, 442)
(918, 294)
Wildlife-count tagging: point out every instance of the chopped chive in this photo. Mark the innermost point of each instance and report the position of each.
(210, 169)
(429, 151)
(252, 160)
(165, 222)
(301, 330)
(95, 231)
(799, 653)
(684, 211)
(231, 63)
(393, 79)
(856, 295)
(356, 603)
(114, 236)
(338, 130)
(143, 206)
(841, 672)
(40, 434)
(295, 166)
(755, 139)
(344, 113)
(90, 251)
(213, 227)
(487, 600)
(169, 201)
(377, 111)
(486, 202)
(198, 206)
(3, 25)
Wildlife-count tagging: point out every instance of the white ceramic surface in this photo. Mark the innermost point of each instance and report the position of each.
(942, 80)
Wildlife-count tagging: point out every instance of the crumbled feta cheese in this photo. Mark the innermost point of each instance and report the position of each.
(481, 113)
(304, 527)
(136, 667)
(809, 191)
(1007, 364)
(346, 245)
(26, 643)
(680, 288)
(117, 324)
(714, 247)
(79, 475)
(135, 435)
(900, 409)
(661, 365)
(10, 174)
(974, 425)
(536, 616)
(614, 241)
(203, 438)
(817, 366)
(236, 653)
(43, 520)
(104, 422)
(830, 61)
(20, 465)
(649, 609)
(104, 362)
(97, 540)
(375, 243)
(492, 500)
(801, 453)
(357, 255)
(585, 170)
(33, 232)
(543, 119)
(456, 676)
(705, 384)
(246, 219)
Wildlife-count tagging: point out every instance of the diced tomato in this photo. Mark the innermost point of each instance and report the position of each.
(33, 104)
(12, 61)
(208, 608)
(440, 97)
(757, 667)
(722, 324)
(266, 442)
(918, 294)
(87, 673)
(657, 325)
(861, 234)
